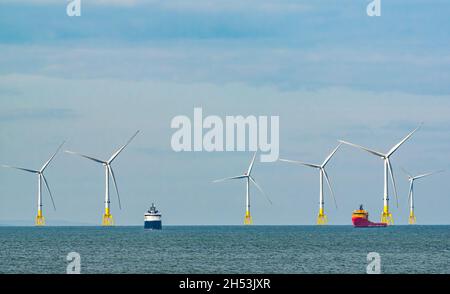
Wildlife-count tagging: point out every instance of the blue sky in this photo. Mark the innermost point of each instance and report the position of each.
(326, 68)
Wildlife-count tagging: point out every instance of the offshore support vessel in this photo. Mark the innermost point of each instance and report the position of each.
(360, 219)
(152, 219)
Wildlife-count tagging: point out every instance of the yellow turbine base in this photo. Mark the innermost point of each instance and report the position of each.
(412, 219)
(108, 219)
(248, 219)
(40, 220)
(386, 217)
(322, 219)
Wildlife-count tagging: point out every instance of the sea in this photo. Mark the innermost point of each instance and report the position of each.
(226, 249)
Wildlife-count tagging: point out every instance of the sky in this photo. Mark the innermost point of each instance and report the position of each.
(327, 69)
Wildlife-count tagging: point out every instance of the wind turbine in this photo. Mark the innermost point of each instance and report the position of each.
(411, 179)
(386, 216)
(107, 217)
(40, 219)
(322, 217)
(248, 177)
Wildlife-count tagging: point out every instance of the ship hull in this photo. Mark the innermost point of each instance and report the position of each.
(359, 222)
(153, 225)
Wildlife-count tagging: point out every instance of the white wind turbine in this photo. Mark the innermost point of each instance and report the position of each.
(40, 219)
(107, 217)
(386, 216)
(322, 217)
(412, 179)
(248, 177)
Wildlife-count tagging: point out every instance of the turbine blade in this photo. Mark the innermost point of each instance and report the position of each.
(395, 148)
(428, 174)
(51, 158)
(376, 153)
(85, 156)
(391, 171)
(20, 168)
(251, 164)
(111, 172)
(49, 192)
(260, 189)
(407, 173)
(231, 178)
(302, 163)
(331, 155)
(329, 186)
(121, 149)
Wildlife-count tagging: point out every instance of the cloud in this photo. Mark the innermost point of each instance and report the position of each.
(224, 61)
(218, 42)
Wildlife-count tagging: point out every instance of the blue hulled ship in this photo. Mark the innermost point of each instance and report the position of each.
(152, 219)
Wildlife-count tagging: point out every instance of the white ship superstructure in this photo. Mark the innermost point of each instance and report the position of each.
(153, 219)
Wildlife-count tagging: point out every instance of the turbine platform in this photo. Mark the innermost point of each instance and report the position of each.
(248, 219)
(386, 217)
(322, 219)
(412, 219)
(40, 219)
(108, 219)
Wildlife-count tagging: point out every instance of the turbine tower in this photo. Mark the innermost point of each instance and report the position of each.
(40, 219)
(248, 177)
(322, 218)
(386, 216)
(411, 179)
(108, 219)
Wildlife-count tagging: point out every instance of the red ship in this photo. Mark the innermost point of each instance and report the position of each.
(360, 219)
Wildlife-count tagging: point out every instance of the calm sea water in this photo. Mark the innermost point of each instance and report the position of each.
(211, 249)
